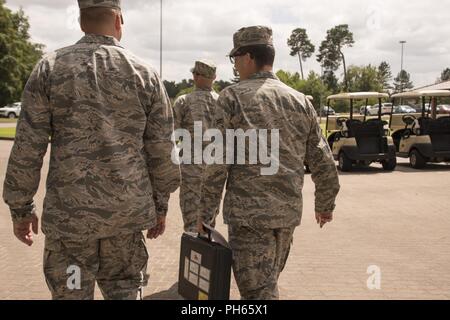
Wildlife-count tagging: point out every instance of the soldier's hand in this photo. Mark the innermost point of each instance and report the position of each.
(157, 230)
(24, 229)
(200, 228)
(323, 218)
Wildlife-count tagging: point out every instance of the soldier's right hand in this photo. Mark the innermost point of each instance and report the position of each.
(323, 218)
(157, 230)
(24, 229)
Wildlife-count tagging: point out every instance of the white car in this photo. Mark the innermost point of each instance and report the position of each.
(11, 111)
(385, 108)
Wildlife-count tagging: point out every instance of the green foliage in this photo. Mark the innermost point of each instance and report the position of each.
(445, 75)
(403, 82)
(18, 55)
(364, 79)
(313, 85)
(301, 46)
(331, 49)
(385, 75)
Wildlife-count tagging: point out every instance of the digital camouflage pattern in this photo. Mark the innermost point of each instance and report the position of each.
(250, 36)
(84, 4)
(110, 123)
(259, 257)
(263, 211)
(118, 264)
(274, 201)
(196, 106)
(205, 68)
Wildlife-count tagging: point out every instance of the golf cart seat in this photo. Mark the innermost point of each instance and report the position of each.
(369, 135)
(439, 131)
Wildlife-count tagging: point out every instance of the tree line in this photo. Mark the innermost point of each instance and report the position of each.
(18, 55)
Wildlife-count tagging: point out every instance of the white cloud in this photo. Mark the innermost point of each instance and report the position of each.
(204, 28)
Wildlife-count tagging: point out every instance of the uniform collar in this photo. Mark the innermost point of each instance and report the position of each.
(264, 75)
(100, 39)
(203, 89)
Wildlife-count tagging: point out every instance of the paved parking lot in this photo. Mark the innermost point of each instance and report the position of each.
(397, 223)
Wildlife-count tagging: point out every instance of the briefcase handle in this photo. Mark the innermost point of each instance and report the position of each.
(213, 236)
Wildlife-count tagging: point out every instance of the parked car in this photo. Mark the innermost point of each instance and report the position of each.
(325, 110)
(11, 111)
(385, 108)
(363, 108)
(404, 109)
(443, 109)
(418, 108)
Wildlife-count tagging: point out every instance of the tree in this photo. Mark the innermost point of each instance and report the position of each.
(364, 79)
(290, 79)
(300, 46)
(330, 81)
(220, 85)
(402, 82)
(171, 88)
(385, 76)
(18, 55)
(313, 85)
(331, 50)
(445, 75)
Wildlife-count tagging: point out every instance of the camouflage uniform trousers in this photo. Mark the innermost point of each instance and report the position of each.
(190, 192)
(118, 264)
(259, 257)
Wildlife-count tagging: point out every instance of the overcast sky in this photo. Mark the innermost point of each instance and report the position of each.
(196, 29)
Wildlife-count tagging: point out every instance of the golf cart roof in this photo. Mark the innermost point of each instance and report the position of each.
(422, 93)
(357, 95)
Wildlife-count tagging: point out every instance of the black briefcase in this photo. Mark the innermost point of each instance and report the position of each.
(205, 266)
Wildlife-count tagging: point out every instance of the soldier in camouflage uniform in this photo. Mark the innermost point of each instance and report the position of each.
(110, 123)
(190, 108)
(262, 211)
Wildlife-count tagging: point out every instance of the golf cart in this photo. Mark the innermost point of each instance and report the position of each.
(424, 137)
(360, 139)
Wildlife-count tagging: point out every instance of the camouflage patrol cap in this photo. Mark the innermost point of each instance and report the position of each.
(249, 36)
(204, 68)
(84, 4)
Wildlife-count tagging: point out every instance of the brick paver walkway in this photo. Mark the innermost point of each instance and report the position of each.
(397, 221)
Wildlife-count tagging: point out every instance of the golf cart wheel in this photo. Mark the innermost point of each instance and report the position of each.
(416, 160)
(389, 165)
(12, 115)
(345, 164)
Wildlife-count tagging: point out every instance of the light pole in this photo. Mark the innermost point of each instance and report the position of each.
(401, 65)
(160, 39)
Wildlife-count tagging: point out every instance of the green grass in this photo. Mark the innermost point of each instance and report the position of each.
(5, 120)
(7, 132)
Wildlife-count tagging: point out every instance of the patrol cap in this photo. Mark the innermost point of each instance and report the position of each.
(204, 68)
(250, 36)
(84, 4)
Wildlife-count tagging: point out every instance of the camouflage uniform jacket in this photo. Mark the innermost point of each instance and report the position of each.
(110, 124)
(196, 106)
(274, 201)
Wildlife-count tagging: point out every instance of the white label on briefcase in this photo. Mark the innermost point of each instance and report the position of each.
(205, 273)
(204, 285)
(196, 257)
(193, 279)
(194, 268)
(186, 268)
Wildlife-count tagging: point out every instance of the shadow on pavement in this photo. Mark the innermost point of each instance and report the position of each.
(431, 167)
(169, 294)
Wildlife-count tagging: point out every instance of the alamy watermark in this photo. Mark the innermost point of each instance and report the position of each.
(374, 280)
(74, 280)
(230, 150)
